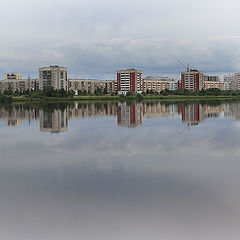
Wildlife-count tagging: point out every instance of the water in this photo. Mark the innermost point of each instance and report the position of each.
(120, 171)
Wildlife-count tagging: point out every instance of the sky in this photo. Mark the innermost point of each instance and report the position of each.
(95, 38)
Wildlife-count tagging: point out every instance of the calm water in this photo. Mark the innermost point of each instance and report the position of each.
(119, 171)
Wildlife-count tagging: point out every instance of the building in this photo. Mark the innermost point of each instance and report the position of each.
(173, 85)
(53, 76)
(192, 80)
(91, 85)
(129, 80)
(213, 82)
(236, 82)
(228, 82)
(211, 78)
(19, 85)
(12, 76)
(155, 84)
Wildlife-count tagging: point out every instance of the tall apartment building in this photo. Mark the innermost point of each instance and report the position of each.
(192, 80)
(129, 80)
(53, 76)
(236, 82)
(228, 82)
(12, 76)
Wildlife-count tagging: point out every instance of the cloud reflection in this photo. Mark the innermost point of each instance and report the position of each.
(101, 181)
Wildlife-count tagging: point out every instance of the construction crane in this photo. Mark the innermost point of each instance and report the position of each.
(187, 67)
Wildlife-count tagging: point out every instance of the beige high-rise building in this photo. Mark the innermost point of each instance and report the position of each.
(53, 76)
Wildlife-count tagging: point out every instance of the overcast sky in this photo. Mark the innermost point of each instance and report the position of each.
(95, 38)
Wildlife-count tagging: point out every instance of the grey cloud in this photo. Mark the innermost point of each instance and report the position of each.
(95, 38)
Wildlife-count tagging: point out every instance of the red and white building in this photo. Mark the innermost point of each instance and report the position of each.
(192, 80)
(129, 80)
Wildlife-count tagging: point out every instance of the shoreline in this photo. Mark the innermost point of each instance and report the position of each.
(119, 98)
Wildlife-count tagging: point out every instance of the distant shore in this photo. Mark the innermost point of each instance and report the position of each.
(120, 98)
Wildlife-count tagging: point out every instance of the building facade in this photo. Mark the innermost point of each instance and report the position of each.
(12, 76)
(129, 80)
(53, 76)
(19, 85)
(236, 82)
(211, 78)
(90, 86)
(192, 80)
(228, 82)
(155, 84)
(213, 82)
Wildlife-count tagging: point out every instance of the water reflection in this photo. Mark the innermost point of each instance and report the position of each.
(55, 119)
(54, 122)
(100, 181)
(129, 115)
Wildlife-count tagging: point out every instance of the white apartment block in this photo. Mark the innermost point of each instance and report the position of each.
(129, 80)
(228, 82)
(192, 80)
(173, 85)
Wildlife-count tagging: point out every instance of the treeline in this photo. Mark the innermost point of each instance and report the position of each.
(207, 92)
(97, 92)
(61, 93)
(46, 92)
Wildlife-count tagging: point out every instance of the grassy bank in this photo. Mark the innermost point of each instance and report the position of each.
(120, 98)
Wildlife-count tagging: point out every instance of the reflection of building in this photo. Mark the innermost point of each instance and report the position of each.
(192, 114)
(129, 115)
(157, 109)
(54, 122)
(12, 122)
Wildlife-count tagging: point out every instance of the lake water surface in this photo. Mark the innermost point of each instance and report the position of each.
(120, 171)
